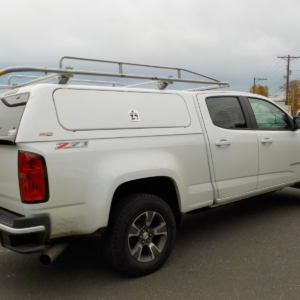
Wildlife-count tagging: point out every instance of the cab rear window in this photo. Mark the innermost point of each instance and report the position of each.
(226, 112)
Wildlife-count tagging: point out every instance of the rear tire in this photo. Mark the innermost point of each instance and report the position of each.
(140, 236)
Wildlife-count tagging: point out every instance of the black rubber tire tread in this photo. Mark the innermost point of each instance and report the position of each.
(114, 239)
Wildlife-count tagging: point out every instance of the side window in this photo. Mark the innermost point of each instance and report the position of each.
(226, 112)
(268, 116)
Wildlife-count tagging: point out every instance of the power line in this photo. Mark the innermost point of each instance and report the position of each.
(272, 68)
(294, 52)
(267, 67)
(276, 83)
(289, 50)
(276, 70)
(278, 89)
(275, 59)
(288, 59)
(273, 74)
(274, 93)
(276, 73)
(275, 90)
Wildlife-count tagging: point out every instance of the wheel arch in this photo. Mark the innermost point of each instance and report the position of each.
(161, 186)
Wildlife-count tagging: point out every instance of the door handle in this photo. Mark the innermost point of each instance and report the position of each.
(266, 140)
(222, 143)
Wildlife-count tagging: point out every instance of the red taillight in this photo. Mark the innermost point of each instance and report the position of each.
(33, 178)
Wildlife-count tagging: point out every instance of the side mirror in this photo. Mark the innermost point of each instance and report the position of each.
(296, 123)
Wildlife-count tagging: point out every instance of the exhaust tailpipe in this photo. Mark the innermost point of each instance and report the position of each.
(47, 258)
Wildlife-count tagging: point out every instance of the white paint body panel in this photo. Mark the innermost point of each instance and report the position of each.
(82, 181)
(94, 110)
(276, 158)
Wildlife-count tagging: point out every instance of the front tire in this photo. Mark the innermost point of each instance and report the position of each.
(140, 235)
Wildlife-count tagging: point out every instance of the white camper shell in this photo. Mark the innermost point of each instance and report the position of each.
(129, 162)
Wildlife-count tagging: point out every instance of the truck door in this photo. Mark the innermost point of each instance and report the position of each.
(232, 142)
(279, 146)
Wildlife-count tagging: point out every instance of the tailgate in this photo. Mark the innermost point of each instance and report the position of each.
(9, 183)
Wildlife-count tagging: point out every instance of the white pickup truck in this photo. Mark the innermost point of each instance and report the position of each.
(129, 162)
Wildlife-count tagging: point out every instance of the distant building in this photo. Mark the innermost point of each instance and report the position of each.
(280, 100)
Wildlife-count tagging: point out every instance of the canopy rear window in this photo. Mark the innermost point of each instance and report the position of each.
(11, 110)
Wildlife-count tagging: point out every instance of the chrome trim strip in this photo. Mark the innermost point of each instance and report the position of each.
(21, 230)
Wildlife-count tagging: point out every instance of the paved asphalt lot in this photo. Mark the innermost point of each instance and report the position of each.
(246, 250)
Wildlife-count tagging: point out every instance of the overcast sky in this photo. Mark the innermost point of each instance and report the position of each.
(233, 40)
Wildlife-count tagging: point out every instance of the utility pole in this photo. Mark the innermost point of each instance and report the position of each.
(288, 59)
(257, 79)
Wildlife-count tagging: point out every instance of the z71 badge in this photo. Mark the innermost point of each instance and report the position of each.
(46, 134)
(71, 145)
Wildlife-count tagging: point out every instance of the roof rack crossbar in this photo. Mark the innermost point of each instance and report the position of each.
(121, 63)
(38, 80)
(20, 76)
(74, 80)
(143, 83)
(96, 81)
